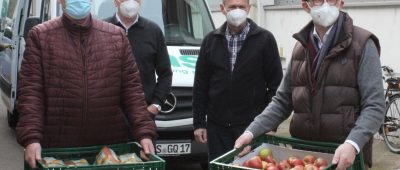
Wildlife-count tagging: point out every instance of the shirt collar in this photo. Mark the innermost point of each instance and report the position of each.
(126, 26)
(316, 36)
(244, 31)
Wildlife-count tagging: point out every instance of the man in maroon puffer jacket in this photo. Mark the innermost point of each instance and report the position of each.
(77, 79)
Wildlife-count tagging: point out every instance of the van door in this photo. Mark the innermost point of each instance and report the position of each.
(7, 48)
(16, 18)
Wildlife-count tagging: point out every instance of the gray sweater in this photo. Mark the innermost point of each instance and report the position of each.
(372, 101)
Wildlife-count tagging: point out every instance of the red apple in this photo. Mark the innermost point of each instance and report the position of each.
(290, 160)
(246, 163)
(296, 162)
(284, 165)
(269, 159)
(255, 162)
(310, 167)
(309, 159)
(273, 167)
(298, 167)
(264, 153)
(320, 162)
(322, 167)
(264, 165)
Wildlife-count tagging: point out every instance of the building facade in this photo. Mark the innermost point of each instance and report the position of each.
(286, 17)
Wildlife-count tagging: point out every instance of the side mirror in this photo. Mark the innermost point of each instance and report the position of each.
(8, 32)
(30, 23)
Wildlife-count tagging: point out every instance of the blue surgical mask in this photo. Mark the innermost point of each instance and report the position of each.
(77, 9)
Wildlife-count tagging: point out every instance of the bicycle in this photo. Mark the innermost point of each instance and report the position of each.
(390, 128)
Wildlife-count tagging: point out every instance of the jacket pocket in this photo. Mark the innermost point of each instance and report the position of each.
(300, 126)
(331, 127)
(349, 113)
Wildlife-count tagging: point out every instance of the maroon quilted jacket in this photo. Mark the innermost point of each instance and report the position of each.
(76, 82)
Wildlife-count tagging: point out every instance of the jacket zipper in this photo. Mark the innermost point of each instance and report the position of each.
(225, 43)
(84, 72)
(312, 84)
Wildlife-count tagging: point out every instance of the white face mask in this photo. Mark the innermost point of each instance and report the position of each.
(324, 15)
(236, 17)
(129, 8)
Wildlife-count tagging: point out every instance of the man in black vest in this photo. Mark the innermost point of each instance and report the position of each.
(333, 85)
(237, 73)
(149, 49)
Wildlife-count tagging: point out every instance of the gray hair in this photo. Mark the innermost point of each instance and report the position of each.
(223, 1)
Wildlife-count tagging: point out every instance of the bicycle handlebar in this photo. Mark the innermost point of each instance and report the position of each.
(387, 69)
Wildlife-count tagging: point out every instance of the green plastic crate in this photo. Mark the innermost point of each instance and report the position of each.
(89, 153)
(223, 162)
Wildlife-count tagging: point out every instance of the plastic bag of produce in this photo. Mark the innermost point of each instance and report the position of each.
(129, 158)
(106, 157)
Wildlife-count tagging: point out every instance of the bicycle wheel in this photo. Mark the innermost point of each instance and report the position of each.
(391, 125)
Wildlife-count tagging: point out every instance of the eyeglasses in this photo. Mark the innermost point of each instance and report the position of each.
(320, 2)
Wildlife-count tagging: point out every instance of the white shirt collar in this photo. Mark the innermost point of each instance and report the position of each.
(315, 34)
(126, 26)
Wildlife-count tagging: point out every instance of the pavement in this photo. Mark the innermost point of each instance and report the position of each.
(383, 159)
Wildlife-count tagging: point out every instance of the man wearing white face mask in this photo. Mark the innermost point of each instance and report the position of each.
(333, 85)
(150, 51)
(79, 86)
(237, 72)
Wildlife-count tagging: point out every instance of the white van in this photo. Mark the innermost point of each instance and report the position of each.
(184, 23)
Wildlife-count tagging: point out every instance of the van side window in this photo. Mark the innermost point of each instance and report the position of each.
(46, 13)
(40, 8)
(8, 16)
(185, 21)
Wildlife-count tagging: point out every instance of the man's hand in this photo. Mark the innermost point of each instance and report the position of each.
(152, 109)
(344, 156)
(32, 154)
(148, 148)
(244, 139)
(200, 135)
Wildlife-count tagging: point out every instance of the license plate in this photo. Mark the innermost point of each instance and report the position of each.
(173, 148)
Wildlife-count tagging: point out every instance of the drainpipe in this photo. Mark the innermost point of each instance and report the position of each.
(259, 12)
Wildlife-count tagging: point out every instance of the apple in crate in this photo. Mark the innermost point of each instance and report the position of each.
(246, 163)
(269, 159)
(253, 162)
(296, 161)
(284, 164)
(273, 167)
(311, 167)
(320, 162)
(309, 159)
(298, 167)
(291, 159)
(264, 165)
(264, 153)
(322, 167)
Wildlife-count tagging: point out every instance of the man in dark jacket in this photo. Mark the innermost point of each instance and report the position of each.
(237, 73)
(149, 49)
(79, 86)
(333, 85)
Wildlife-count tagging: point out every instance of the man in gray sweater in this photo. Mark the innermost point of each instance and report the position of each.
(333, 85)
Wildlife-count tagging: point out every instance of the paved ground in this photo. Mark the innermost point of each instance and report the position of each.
(383, 159)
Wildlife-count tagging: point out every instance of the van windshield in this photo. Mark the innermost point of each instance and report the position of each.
(184, 22)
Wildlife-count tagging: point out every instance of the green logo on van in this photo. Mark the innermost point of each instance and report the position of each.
(186, 61)
(184, 64)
